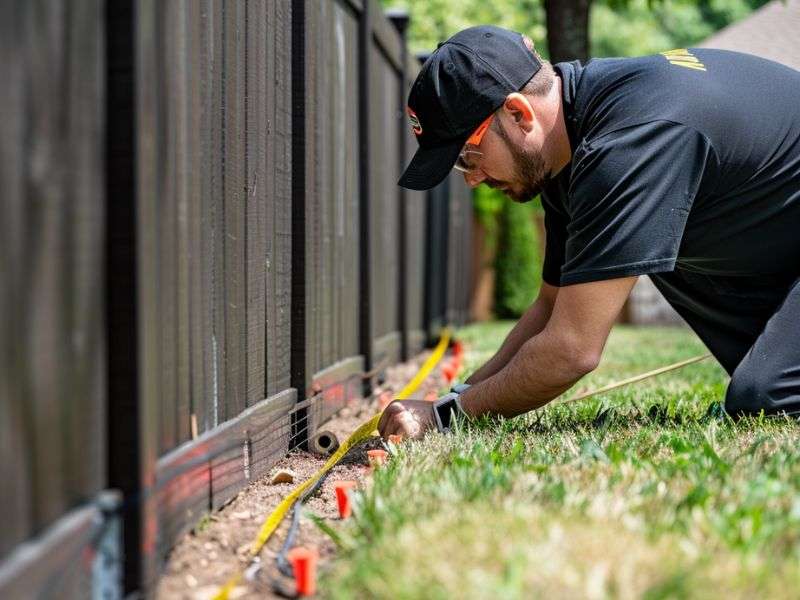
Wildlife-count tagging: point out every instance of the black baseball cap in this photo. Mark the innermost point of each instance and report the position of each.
(464, 81)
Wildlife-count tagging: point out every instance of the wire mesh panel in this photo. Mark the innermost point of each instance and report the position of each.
(52, 349)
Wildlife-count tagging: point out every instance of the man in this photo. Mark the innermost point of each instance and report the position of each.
(684, 166)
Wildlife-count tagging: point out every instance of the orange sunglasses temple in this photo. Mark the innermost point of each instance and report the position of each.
(477, 136)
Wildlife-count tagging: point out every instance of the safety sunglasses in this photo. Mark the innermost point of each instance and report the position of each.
(467, 160)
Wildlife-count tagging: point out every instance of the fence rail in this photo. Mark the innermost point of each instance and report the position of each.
(205, 255)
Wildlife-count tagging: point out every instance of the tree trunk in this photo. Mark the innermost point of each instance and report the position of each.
(567, 29)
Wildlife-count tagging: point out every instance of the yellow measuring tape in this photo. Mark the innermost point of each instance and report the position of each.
(364, 431)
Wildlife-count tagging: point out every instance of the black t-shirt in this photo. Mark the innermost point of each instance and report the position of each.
(685, 166)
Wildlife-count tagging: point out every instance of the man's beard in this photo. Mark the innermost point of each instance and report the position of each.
(529, 170)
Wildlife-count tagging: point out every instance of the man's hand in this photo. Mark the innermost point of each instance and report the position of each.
(409, 418)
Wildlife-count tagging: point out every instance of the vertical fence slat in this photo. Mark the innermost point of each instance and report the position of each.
(234, 203)
(384, 198)
(209, 177)
(198, 280)
(279, 251)
(52, 351)
(259, 182)
(352, 293)
(44, 382)
(165, 247)
(15, 436)
(364, 161)
(149, 334)
(216, 115)
(181, 114)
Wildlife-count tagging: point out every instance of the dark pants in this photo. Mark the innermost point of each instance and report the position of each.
(754, 333)
(768, 377)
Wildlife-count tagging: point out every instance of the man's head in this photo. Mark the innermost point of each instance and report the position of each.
(488, 104)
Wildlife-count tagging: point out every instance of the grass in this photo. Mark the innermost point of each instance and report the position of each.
(644, 492)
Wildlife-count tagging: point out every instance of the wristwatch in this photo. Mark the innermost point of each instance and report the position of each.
(449, 405)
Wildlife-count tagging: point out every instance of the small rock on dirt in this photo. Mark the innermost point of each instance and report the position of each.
(282, 476)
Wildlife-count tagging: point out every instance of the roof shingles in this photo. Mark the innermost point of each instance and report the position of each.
(772, 32)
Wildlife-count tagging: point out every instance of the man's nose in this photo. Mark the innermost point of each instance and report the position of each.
(474, 178)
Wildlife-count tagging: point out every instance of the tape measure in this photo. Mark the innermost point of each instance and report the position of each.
(364, 431)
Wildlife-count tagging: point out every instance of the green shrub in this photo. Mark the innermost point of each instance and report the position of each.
(518, 270)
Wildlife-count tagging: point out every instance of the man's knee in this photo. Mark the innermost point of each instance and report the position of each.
(749, 392)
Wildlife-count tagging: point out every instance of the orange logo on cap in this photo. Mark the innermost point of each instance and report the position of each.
(415, 126)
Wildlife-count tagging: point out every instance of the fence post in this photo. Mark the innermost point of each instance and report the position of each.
(125, 434)
(298, 310)
(107, 562)
(365, 316)
(399, 18)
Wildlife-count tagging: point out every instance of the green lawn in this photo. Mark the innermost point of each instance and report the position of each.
(641, 493)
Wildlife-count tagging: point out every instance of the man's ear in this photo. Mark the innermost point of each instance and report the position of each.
(520, 109)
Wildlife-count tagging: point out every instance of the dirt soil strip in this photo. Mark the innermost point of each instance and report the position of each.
(204, 559)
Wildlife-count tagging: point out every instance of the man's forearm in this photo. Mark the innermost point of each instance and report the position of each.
(531, 323)
(541, 370)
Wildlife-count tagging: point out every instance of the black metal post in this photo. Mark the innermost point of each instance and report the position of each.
(365, 315)
(298, 328)
(121, 289)
(400, 19)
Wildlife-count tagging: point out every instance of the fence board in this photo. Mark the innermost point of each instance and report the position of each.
(259, 98)
(332, 192)
(182, 165)
(51, 345)
(234, 212)
(415, 244)
(279, 242)
(215, 160)
(199, 282)
(166, 226)
(384, 197)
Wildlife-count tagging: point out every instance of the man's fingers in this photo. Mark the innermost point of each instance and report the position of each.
(408, 423)
(388, 416)
(403, 418)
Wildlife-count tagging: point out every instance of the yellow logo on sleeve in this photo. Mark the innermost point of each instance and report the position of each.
(683, 58)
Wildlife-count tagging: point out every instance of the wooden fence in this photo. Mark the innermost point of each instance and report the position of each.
(205, 255)
(53, 446)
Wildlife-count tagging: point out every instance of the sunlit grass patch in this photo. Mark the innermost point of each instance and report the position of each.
(643, 492)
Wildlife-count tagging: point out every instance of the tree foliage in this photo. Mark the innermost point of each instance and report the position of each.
(616, 27)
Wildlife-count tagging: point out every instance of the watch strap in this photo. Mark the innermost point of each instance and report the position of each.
(460, 388)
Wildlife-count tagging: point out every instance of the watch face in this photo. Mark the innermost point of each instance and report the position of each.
(444, 411)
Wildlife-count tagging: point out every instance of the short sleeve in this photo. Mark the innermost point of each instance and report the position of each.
(629, 197)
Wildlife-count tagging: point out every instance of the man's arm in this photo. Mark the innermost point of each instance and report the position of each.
(546, 365)
(568, 347)
(530, 324)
